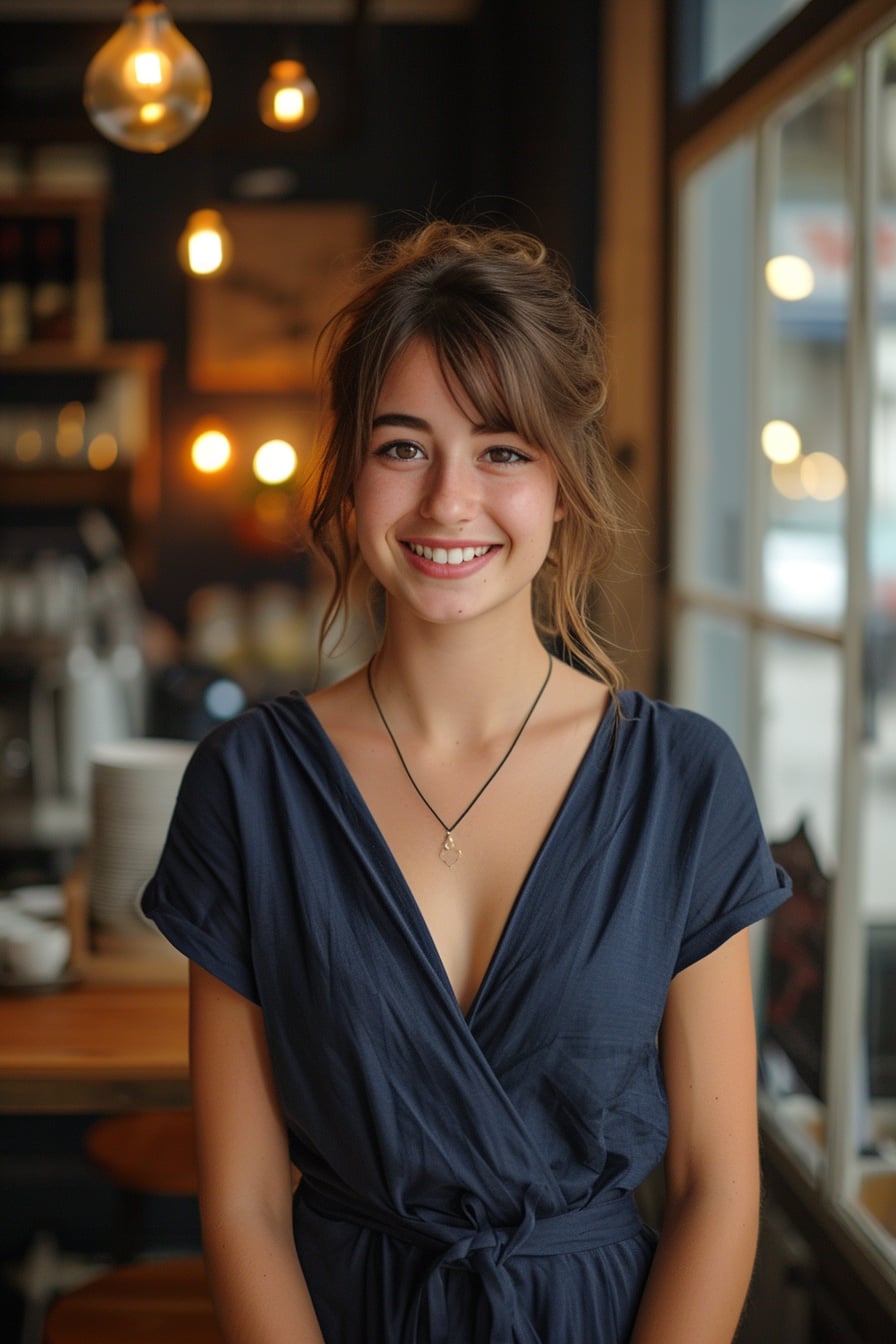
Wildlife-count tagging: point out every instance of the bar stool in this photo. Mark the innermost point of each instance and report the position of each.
(145, 1154)
(156, 1302)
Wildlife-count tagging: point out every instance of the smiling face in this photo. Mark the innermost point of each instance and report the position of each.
(454, 518)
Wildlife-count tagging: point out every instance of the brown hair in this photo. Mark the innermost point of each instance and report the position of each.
(503, 319)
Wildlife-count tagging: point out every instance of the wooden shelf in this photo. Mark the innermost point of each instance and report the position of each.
(130, 487)
(43, 487)
(146, 357)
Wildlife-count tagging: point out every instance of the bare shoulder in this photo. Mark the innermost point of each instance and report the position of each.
(577, 697)
(343, 707)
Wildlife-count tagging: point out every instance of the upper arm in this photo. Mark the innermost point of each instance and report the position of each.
(241, 1140)
(708, 1049)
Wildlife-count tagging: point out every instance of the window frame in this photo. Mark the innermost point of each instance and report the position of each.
(799, 57)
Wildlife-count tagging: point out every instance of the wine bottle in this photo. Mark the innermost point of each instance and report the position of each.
(15, 327)
(53, 282)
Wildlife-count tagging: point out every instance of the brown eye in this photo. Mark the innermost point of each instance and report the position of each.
(400, 450)
(503, 456)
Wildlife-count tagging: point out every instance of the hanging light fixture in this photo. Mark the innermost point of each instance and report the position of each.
(147, 88)
(288, 98)
(205, 248)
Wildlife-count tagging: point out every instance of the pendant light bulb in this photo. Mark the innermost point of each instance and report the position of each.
(205, 248)
(287, 99)
(147, 88)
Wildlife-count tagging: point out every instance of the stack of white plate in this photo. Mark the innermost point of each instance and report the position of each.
(134, 788)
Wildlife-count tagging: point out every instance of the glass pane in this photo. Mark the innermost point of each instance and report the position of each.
(711, 663)
(715, 36)
(715, 284)
(801, 690)
(877, 1184)
(802, 435)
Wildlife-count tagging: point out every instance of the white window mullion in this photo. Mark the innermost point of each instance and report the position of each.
(766, 177)
(844, 1044)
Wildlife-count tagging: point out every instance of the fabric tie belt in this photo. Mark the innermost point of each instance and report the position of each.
(485, 1250)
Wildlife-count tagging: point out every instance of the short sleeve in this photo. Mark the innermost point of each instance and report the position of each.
(735, 881)
(197, 896)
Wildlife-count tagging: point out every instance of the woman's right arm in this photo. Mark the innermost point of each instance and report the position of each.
(245, 1178)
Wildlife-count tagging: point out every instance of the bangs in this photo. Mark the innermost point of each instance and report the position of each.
(477, 365)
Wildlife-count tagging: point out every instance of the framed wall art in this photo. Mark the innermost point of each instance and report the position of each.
(253, 329)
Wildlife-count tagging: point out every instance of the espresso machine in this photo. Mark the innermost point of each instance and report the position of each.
(72, 677)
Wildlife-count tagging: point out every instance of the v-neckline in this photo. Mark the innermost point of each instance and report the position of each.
(362, 807)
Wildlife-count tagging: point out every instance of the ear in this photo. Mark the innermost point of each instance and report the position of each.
(559, 508)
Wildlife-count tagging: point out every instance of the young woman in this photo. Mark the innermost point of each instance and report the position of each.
(467, 929)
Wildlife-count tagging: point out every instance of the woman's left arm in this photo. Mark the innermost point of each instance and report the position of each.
(701, 1271)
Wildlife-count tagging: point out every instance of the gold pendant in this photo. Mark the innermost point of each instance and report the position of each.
(449, 852)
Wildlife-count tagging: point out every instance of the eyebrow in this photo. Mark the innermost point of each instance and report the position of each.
(417, 422)
(399, 418)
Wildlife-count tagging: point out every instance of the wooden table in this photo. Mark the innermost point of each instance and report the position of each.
(94, 1047)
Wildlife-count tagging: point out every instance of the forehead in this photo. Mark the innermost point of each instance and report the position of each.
(414, 372)
(422, 372)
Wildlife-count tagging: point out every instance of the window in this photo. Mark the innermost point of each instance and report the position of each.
(784, 582)
(714, 36)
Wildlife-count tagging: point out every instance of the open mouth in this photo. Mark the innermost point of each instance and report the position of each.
(451, 555)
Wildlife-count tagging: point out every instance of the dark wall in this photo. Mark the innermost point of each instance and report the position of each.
(495, 118)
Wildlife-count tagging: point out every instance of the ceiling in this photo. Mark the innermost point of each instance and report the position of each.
(246, 11)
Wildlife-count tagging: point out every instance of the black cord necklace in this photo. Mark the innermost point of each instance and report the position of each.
(449, 852)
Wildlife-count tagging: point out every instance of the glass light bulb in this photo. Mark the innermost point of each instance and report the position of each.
(147, 88)
(210, 451)
(205, 247)
(287, 99)
(274, 462)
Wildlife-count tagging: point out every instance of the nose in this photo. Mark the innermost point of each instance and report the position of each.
(452, 492)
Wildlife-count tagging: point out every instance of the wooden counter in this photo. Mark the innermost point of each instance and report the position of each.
(94, 1047)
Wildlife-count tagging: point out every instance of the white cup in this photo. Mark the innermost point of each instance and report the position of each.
(32, 951)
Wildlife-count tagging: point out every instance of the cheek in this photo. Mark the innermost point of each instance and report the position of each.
(376, 510)
(367, 503)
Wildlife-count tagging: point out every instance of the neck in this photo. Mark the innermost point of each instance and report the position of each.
(457, 684)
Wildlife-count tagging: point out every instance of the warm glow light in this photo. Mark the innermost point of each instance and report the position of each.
(275, 462)
(102, 451)
(150, 113)
(289, 104)
(781, 441)
(210, 451)
(28, 445)
(69, 439)
(147, 88)
(149, 70)
(287, 99)
(72, 413)
(789, 277)
(206, 252)
(787, 479)
(823, 476)
(70, 429)
(205, 247)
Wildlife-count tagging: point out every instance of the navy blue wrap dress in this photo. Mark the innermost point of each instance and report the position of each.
(467, 1178)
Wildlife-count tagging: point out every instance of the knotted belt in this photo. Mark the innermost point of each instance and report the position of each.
(485, 1250)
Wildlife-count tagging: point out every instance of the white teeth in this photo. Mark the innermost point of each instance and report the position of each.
(457, 555)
